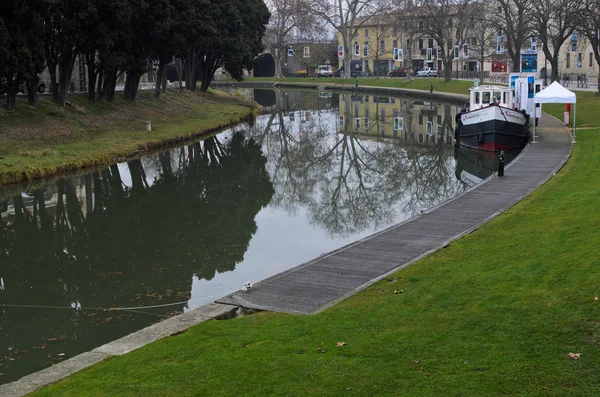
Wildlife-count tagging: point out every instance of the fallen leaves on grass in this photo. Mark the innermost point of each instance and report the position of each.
(340, 344)
(575, 356)
(596, 298)
(320, 350)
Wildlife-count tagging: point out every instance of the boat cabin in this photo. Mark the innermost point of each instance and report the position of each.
(486, 95)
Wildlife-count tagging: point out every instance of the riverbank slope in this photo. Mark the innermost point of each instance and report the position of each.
(47, 140)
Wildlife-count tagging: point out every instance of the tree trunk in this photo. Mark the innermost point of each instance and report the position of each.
(100, 81)
(65, 70)
(481, 57)
(190, 68)
(92, 75)
(32, 86)
(131, 84)
(110, 83)
(53, 82)
(278, 61)
(11, 99)
(347, 38)
(516, 59)
(207, 70)
(448, 69)
(160, 76)
(163, 82)
(408, 64)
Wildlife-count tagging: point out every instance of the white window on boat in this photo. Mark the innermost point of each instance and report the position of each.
(477, 98)
(485, 97)
(497, 96)
(504, 98)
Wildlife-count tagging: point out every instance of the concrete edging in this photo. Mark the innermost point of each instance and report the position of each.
(119, 347)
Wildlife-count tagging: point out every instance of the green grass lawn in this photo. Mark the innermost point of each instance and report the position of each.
(494, 313)
(588, 106)
(439, 85)
(42, 141)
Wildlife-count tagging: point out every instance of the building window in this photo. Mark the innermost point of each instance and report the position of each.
(420, 119)
(420, 44)
(382, 114)
(574, 42)
(430, 43)
(366, 49)
(591, 58)
(306, 52)
(421, 25)
(398, 124)
(450, 23)
(395, 44)
(366, 32)
(382, 46)
(500, 44)
(407, 43)
(356, 49)
(568, 60)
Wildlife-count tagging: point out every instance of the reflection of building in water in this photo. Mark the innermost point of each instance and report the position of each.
(410, 120)
(52, 196)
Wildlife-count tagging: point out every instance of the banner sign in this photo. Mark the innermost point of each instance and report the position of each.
(529, 63)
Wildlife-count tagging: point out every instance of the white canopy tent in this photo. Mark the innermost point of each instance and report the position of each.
(556, 93)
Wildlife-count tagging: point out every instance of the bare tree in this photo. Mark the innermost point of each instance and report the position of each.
(377, 49)
(287, 18)
(512, 18)
(590, 27)
(555, 21)
(445, 21)
(483, 33)
(345, 17)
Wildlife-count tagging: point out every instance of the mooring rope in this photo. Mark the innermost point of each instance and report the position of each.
(110, 309)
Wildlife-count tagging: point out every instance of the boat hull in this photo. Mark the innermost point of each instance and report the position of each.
(493, 128)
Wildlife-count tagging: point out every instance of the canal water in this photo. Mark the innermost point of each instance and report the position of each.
(90, 258)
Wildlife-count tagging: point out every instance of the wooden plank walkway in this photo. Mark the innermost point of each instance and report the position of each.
(328, 279)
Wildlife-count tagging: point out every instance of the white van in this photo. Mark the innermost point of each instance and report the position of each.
(324, 71)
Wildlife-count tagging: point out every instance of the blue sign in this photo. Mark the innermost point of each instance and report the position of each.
(528, 63)
(513, 79)
(531, 86)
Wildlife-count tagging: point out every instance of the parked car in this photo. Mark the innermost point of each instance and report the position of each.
(324, 71)
(427, 72)
(41, 88)
(398, 72)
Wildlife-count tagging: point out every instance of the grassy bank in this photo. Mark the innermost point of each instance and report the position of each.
(47, 140)
(495, 313)
(424, 84)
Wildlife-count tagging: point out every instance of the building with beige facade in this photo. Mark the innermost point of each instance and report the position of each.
(375, 40)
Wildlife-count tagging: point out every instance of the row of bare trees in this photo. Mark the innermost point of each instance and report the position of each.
(448, 22)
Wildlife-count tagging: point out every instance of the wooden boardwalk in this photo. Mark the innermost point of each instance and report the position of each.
(328, 279)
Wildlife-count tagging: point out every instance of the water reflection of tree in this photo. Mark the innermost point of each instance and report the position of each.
(350, 182)
(123, 246)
